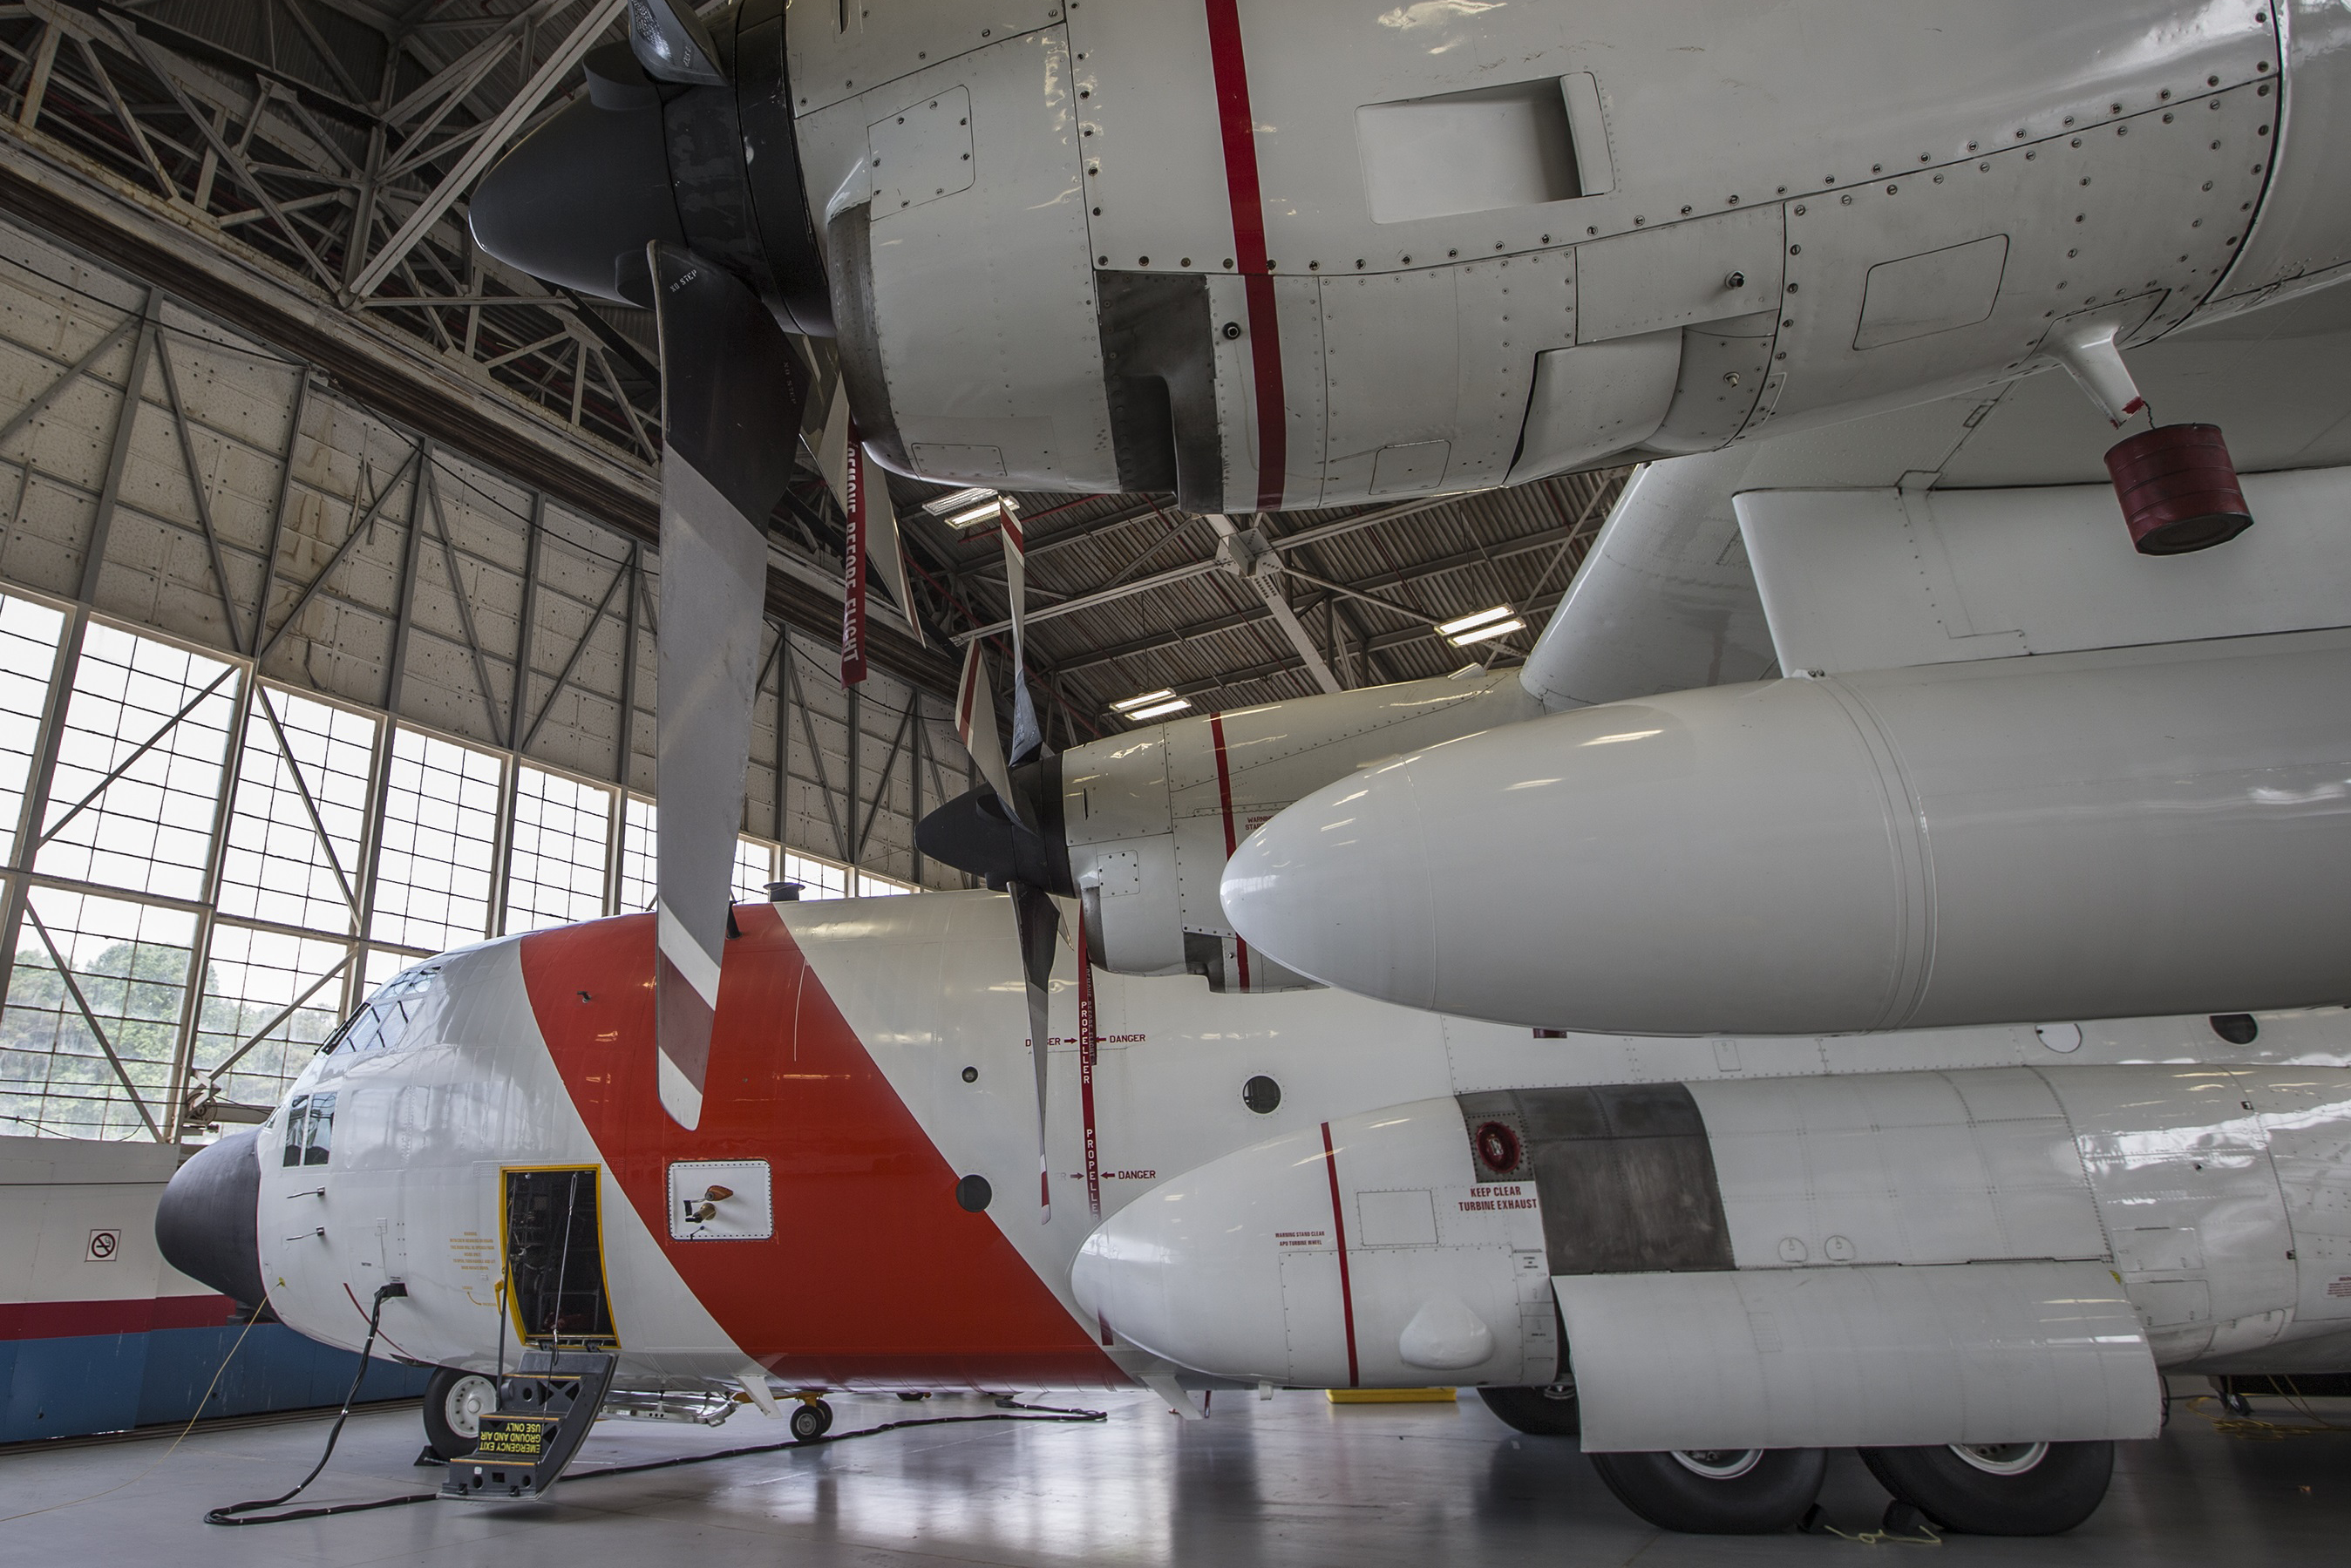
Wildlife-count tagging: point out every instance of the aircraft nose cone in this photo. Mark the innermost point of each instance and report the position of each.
(578, 199)
(206, 1223)
(1338, 887)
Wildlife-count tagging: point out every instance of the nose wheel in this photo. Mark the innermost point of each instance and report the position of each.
(454, 1404)
(812, 1419)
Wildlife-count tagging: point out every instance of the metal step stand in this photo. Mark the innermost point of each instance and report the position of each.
(544, 1409)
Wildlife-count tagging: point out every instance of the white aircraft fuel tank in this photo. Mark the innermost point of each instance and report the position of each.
(2159, 830)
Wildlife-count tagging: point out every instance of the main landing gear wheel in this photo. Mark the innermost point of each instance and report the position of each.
(454, 1404)
(2006, 1488)
(1717, 1491)
(812, 1419)
(1550, 1411)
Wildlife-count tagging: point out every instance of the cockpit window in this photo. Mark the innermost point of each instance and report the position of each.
(382, 1022)
(309, 1129)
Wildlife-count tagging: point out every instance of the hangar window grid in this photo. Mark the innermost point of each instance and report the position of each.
(557, 858)
(297, 830)
(640, 832)
(139, 767)
(270, 998)
(94, 1013)
(437, 842)
(754, 868)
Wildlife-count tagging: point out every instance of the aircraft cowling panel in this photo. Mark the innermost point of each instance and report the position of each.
(2084, 835)
(1292, 256)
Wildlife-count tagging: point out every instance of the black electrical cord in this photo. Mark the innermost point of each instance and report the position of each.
(1009, 1412)
(227, 1515)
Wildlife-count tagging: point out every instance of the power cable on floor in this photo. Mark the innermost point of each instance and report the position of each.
(375, 1320)
(2258, 1430)
(228, 1515)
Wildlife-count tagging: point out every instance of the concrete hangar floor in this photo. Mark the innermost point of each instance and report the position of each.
(1293, 1479)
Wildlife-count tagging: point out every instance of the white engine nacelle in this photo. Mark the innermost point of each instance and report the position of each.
(1301, 255)
(1985, 1255)
(1150, 818)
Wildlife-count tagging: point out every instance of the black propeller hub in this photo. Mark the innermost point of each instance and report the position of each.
(974, 833)
(712, 169)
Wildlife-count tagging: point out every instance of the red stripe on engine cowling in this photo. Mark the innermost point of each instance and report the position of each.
(1238, 129)
(1232, 840)
(1339, 1232)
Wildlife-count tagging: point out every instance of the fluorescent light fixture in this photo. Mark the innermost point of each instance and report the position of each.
(1160, 710)
(1145, 700)
(941, 505)
(986, 512)
(1484, 633)
(1454, 629)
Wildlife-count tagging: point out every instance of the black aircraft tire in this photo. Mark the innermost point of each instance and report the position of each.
(441, 1433)
(1537, 1412)
(2058, 1491)
(1770, 1495)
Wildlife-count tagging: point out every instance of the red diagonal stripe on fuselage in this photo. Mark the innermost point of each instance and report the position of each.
(874, 1274)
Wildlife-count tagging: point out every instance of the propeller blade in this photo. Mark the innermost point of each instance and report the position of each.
(888, 553)
(1027, 739)
(729, 380)
(976, 727)
(1039, 922)
(669, 41)
(832, 445)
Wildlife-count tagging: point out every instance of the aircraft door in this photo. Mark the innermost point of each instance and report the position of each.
(553, 1236)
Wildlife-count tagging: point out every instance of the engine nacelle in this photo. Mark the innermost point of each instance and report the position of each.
(1150, 818)
(1984, 1256)
(1299, 255)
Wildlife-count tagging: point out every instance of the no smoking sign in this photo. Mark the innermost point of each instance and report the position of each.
(103, 1246)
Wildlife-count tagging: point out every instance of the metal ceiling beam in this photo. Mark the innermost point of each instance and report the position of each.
(400, 377)
(492, 141)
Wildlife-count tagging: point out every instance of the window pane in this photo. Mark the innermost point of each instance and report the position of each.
(28, 651)
(129, 962)
(275, 866)
(250, 977)
(869, 886)
(439, 842)
(754, 868)
(557, 873)
(150, 829)
(640, 832)
(383, 966)
(818, 879)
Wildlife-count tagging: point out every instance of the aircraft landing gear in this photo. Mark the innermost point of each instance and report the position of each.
(2008, 1489)
(812, 1419)
(454, 1404)
(1549, 1411)
(1717, 1491)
